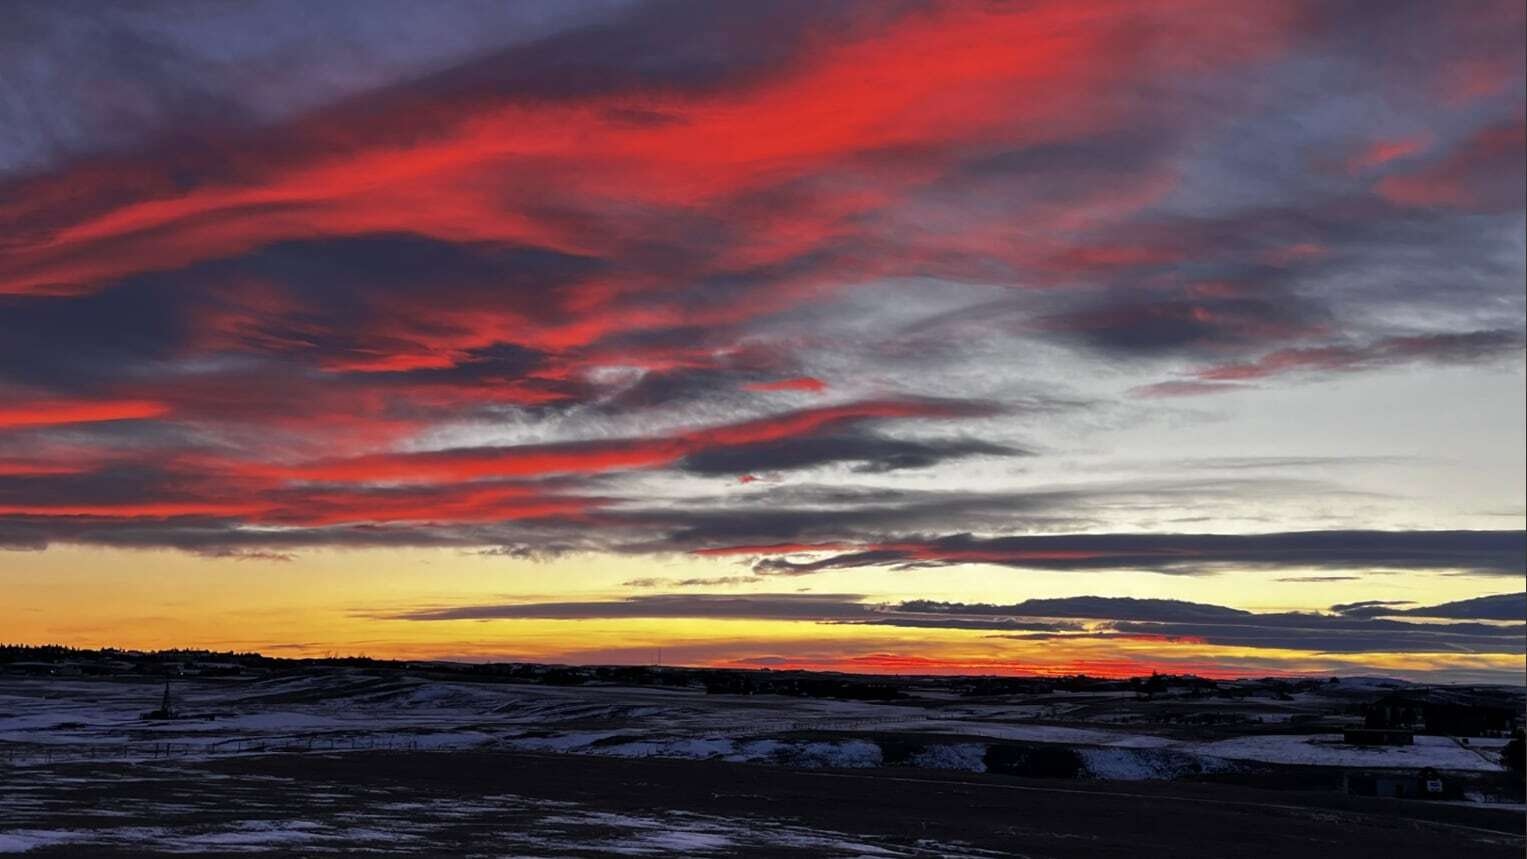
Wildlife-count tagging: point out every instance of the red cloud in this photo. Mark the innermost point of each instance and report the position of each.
(58, 411)
(481, 167)
(676, 212)
(1484, 173)
(451, 505)
(264, 502)
(1382, 152)
(793, 178)
(13, 467)
(139, 510)
(595, 457)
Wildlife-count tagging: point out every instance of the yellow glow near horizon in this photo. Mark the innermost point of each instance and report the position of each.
(338, 602)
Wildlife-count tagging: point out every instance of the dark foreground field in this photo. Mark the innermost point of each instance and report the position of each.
(509, 804)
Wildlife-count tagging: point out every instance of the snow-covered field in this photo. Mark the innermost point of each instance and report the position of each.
(82, 772)
(50, 719)
(1441, 753)
(167, 809)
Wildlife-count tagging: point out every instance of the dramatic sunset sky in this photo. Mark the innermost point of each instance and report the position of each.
(1014, 337)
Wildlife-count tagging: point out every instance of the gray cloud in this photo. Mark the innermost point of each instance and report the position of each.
(1314, 579)
(1488, 552)
(869, 452)
(1496, 607)
(1058, 619)
(172, 71)
(1181, 620)
(808, 607)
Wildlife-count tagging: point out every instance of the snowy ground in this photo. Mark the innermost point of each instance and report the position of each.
(505, 804)
(1443, 753)
(176, 807)
(101, 719)
(242, 769)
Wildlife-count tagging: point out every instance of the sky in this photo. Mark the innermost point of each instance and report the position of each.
(907, 337)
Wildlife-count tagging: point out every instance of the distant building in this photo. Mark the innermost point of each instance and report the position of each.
(1444, 711)
(1378, 737)
(1426, 784)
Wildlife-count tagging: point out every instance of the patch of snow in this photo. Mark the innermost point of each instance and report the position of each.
(1328, 750)
(967, 757)
(22, 840)
(1048, 734)
(1146, 764)
(1118, 765)
(849, 754)
(698, 749)
(1488, 742)
(259, 833)
(756, 750)
(687, 843)
(575, 740)
(446, 740)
